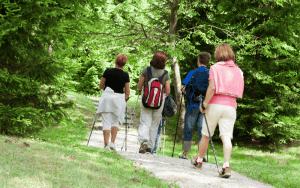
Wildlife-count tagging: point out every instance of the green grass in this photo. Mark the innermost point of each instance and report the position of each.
(280, 168)
(55, 157)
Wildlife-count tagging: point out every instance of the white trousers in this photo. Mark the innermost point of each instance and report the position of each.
(223, 115)
(109, 119)
(150, 119)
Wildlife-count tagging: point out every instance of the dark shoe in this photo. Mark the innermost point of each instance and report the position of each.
(225, 173)
(195, 163)
(204, 159)
(148, 151)
(143, 147)
(184, 156)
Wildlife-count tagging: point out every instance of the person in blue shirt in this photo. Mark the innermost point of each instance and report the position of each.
(193, 115)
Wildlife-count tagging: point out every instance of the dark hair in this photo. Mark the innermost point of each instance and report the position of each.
(121, 60)
(159, 60)
(224, 53)
(204, 58)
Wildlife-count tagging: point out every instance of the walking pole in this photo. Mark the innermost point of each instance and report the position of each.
(178, 120)
(212, 145)
(200, 96)
(164, 136)
(161, 122)
(207, 155)
(133, 114)
(125, 141)
(126, 129)
(91, 133)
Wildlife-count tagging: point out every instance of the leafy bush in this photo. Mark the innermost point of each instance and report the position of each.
(29, 75)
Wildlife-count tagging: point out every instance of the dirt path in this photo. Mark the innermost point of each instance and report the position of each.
(173, 170)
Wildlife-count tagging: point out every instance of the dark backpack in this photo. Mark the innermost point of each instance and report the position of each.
(170, 106)
(153, 91)
(197, 86)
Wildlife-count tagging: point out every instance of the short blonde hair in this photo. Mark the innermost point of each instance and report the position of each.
(224, 53)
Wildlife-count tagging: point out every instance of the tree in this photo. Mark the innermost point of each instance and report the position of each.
(265, 41)
(30, 77)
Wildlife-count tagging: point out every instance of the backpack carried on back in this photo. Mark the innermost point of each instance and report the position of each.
(170, 106)
(197, 86)
(153, 91)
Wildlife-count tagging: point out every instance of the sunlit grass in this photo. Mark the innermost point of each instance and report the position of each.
(56, 158)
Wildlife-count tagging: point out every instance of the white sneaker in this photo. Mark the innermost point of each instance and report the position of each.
(107, 147)
(112, 146)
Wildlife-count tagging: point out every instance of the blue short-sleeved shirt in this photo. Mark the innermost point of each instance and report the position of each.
(189, 77)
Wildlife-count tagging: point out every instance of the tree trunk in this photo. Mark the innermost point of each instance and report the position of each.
(174, 6)
(179, 100)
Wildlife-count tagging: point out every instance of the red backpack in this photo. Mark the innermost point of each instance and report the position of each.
(153, 91)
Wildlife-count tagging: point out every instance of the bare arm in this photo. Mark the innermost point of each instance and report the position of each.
(167, 87)
(127, 90)
(209, 93)
(102, 83)
(141, 82)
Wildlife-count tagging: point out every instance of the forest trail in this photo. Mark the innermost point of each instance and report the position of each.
(173, 170)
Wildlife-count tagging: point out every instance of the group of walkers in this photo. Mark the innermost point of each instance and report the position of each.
(216, 99)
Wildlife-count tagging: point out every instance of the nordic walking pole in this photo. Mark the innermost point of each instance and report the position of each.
(91, 133)
(125, 141)
(178, 120)
(133, 114)
(164, 137)
(161, 122)
(200, 96)
(126, 129)
(212, 145)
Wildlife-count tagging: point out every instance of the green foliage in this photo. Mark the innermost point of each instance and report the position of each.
(85, 39)
(30, 78)
(265, 42)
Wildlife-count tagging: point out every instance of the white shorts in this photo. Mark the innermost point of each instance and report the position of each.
(223, 115)
(109, 120)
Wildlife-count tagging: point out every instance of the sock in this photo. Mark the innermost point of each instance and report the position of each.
(225, 165)
(199, 160)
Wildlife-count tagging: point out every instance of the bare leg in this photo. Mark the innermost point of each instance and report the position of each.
(114, 131)
(227, 148)
(203, 145)
(185, 152)
(106, 134)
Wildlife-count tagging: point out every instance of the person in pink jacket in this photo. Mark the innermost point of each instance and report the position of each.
(226, 83)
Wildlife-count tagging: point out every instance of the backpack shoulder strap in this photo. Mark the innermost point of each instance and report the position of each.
(149, 72)
(194, 73)
(162, 76)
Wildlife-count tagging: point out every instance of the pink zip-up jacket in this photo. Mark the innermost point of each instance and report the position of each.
(229, 79)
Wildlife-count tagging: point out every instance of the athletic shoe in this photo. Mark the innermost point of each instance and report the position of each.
(106, 147)
(195, 163)
(184, 156)
(112, 146)
(143, 147)
(225, 173)
(148, 151)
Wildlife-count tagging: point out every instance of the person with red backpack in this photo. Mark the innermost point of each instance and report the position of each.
(156, 82)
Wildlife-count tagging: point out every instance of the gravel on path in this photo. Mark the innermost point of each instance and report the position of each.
(171, 169)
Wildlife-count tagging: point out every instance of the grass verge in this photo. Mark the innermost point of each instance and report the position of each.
(56, 158)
